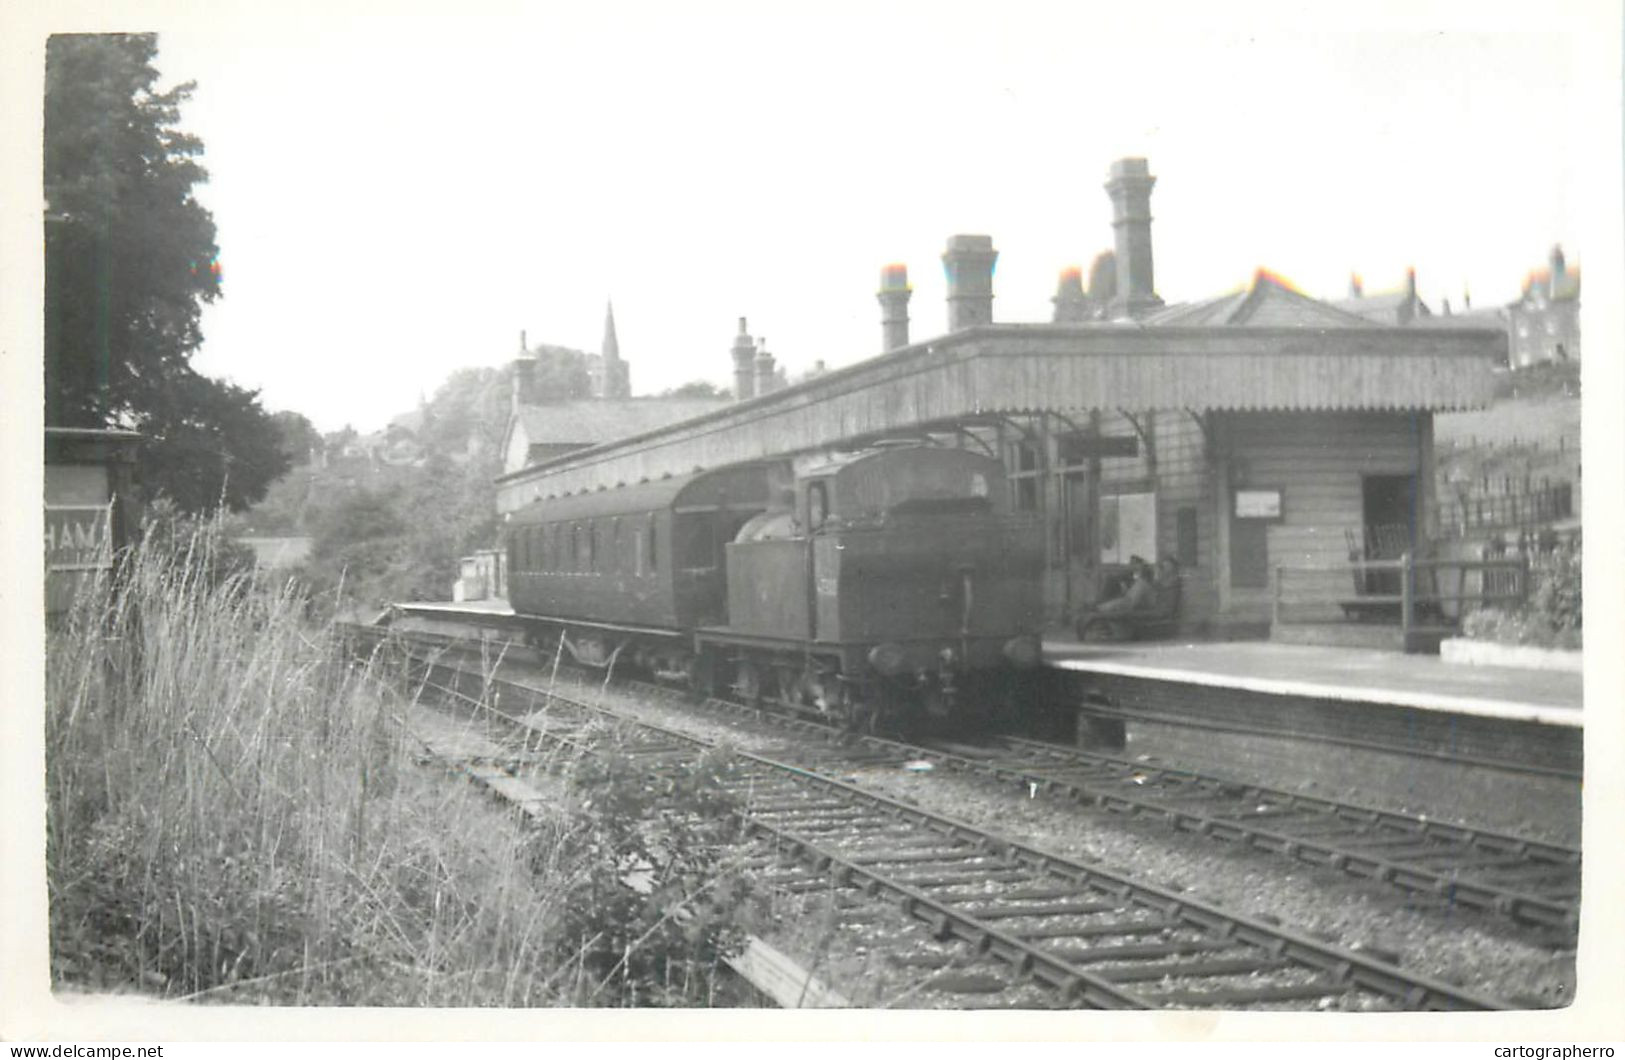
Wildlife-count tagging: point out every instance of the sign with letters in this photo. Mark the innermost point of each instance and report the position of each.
(77, 537)
(1258, 504)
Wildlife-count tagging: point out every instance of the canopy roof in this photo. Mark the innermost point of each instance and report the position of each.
(1067, 368)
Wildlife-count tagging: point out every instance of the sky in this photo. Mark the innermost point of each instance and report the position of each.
(399, 197)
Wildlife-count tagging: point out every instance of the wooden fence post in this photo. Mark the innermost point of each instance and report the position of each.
(1405, 602)
(1275, 597)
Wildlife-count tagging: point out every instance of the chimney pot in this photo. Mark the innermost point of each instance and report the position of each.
(765, 379)
(744, 357)
(1071, 304)
(968, 262)
(524, 377)
(1129, 184)
(894, 294)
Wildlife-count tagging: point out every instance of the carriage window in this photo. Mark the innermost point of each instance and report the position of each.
(654, 554)
(577, 548)
(592, 545)
(617, 561)
(694, 546)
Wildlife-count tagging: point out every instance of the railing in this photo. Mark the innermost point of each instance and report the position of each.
(1511, 510)
(1420, 605)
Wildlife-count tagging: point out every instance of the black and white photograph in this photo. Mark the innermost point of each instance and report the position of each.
(662, 521)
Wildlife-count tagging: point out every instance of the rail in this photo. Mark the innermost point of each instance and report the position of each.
(1421, 603)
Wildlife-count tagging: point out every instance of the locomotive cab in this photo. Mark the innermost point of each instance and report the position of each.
(894, 572)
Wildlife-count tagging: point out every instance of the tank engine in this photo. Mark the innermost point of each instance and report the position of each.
(887, 582)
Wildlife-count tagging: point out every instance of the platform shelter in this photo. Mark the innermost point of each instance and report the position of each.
(1242, 435)
(1232, 449)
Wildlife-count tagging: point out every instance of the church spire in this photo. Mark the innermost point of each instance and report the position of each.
(617, 374)
(611, 349)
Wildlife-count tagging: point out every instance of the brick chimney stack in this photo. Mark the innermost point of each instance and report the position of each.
(744, 355)
(1071, 304)
(1356, 288)
(968, 262)
(766, 381)
(894, 294)
(1559, 272)
(524, 375)
(1407, 309)
(1129, 186)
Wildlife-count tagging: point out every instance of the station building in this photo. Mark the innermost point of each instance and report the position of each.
(1256, 430)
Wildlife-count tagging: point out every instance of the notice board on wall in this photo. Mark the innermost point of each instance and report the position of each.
(1128, 527)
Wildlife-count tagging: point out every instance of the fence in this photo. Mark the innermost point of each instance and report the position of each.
(1421, 595)
(1459, 518)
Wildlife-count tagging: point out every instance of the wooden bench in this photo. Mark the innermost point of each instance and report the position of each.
(1159, 620)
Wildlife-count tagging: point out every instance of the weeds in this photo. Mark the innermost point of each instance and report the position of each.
(234, 814)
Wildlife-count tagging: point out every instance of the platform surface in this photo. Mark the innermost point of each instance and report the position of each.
(1355, 675)
(483, 607)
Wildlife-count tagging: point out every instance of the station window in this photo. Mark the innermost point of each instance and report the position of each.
(1024, 477)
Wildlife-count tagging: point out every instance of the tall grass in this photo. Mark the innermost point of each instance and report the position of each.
(234, 815)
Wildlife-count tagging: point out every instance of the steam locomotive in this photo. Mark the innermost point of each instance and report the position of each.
(887, 584)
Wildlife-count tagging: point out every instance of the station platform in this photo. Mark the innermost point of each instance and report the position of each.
(1522, 719)
(1355, 675)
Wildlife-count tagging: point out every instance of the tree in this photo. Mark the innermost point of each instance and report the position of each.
(130, 258)
(697, 388)
(297, 437)
(560, 375)
(206, 444)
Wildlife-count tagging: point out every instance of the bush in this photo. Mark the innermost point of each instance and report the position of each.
(1553, 615)
(235, 812)
(658, 942)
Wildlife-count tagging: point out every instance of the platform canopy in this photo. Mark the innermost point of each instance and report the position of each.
(973, 376)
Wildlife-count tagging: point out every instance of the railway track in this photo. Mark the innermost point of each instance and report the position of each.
(1524, 880)
(1003, 922)
(1527, 881)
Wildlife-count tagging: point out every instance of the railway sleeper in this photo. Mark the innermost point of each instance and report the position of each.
(1194, 969)
(1234, 997)
(1144, 951)
(961, 879)
(1010, 912)
(944, 854)
(1089, 931)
